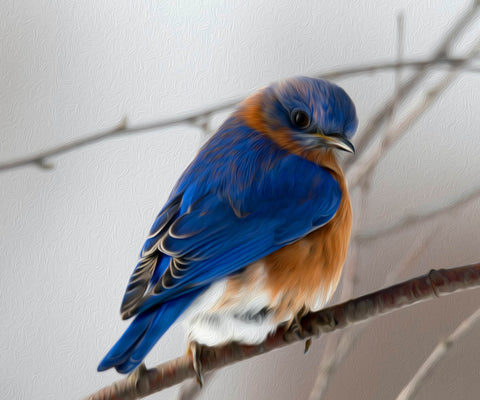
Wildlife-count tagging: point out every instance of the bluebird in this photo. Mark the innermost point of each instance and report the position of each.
(256, 230)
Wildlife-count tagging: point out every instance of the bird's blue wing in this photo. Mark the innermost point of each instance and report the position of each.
(202, 237)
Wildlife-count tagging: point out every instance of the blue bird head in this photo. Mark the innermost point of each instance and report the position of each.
(316, 113)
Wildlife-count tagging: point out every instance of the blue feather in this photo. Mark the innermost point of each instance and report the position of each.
(143, 333)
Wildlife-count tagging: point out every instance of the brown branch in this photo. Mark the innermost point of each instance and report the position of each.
(419, 217)
(436, 283)
(201, 119)
(438, 353)
(376, 122)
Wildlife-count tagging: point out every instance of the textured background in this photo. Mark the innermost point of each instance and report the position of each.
(69, 237)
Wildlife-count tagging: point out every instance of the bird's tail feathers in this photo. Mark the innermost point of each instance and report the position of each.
(142, 334)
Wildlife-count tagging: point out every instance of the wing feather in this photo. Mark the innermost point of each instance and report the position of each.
(219, 221)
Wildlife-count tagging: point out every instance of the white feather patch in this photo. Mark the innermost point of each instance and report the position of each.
(243, 320)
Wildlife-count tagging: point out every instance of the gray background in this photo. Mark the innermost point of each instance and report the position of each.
(69, 237)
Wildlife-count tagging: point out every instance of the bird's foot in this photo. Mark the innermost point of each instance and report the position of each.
(308, 343)
(299, 331)
(137, 377)
(195, 351)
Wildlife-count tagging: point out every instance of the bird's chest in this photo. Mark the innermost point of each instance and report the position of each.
(305, 274)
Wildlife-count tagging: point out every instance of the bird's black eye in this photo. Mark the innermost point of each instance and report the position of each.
(300, 119)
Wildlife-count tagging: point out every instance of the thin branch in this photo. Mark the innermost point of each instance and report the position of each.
(417, 217)
(377, 121)
(436, 283)
(199, 119)
(394, 65)
(119, 130)
(436, 356)
(372, 156)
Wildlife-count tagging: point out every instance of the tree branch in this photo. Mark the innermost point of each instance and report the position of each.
(436, 356)
(394, 65)
(436, 283)
(201, 119)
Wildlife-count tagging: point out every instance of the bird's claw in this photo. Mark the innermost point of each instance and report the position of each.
(308, 343)
(195, 350)
(138, 375)
(300, 332)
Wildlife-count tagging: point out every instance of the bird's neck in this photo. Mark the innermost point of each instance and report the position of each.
(251, 111)
(327, 160)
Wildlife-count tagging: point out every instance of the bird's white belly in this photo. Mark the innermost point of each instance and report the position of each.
(246, 314)
(245, 318)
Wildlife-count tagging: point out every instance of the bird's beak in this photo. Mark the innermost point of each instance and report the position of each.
(336, 141)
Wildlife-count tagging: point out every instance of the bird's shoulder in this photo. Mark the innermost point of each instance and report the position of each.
(241, 164)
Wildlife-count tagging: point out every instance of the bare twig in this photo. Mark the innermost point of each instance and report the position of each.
(377, 121)
(435, 283)
(199, 119)
(371, 157)
(436, 356)
(121, 129)
(420, 217)
(395, 65)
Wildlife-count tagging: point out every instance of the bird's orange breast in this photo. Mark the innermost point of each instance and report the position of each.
(304, 274)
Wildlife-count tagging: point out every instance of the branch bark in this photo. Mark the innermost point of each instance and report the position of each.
(436, 283)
